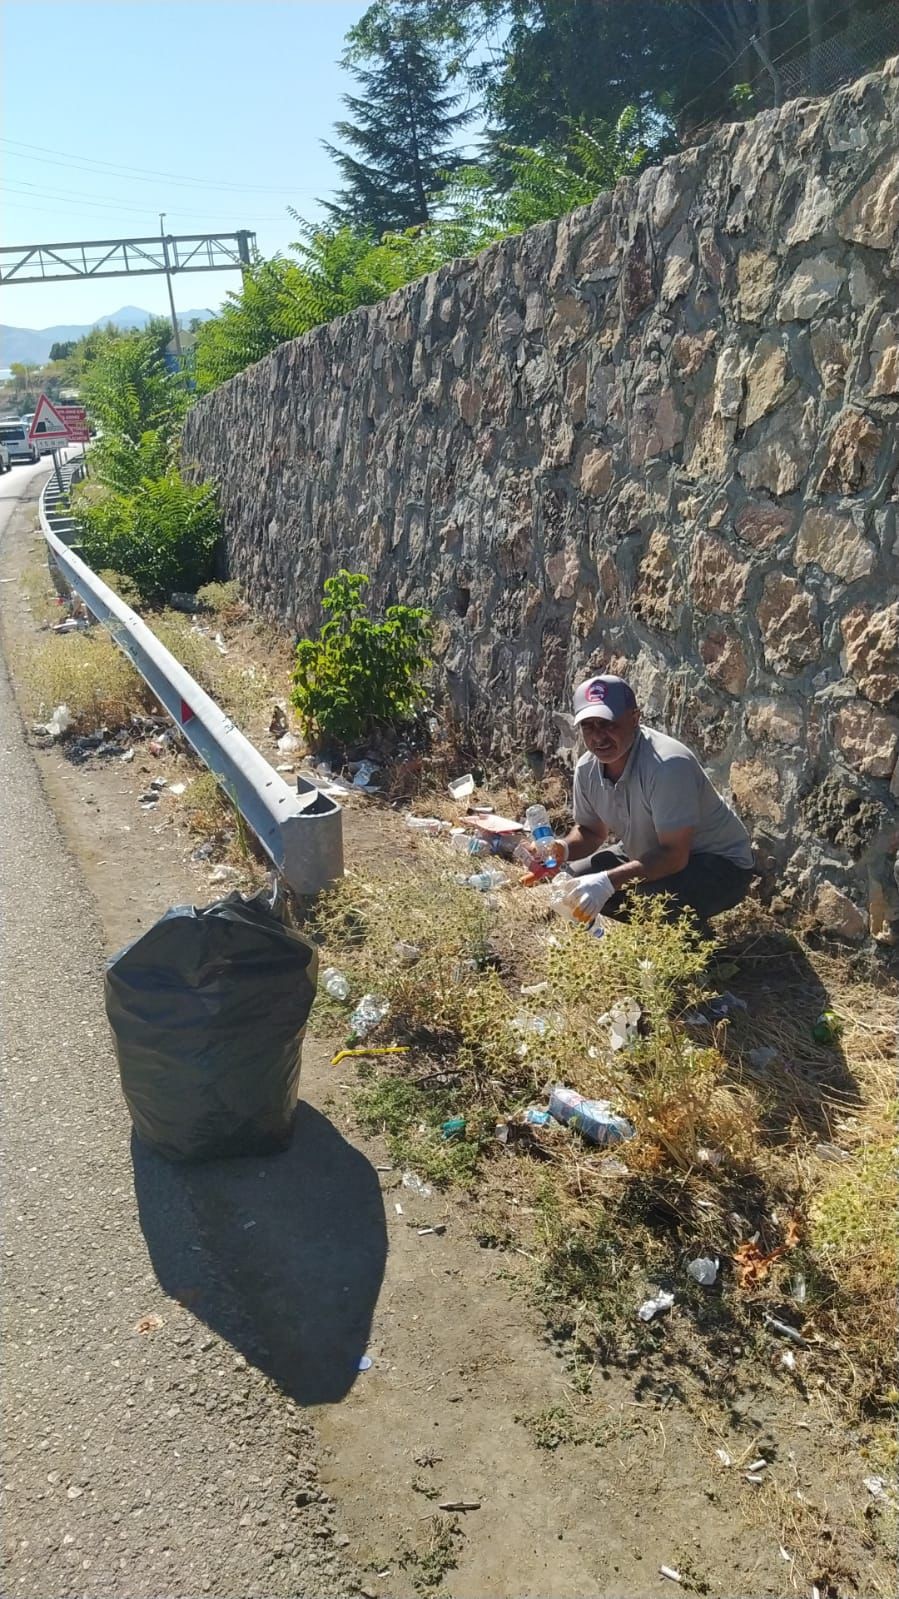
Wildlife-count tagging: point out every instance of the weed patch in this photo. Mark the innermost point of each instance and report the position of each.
(88, 673)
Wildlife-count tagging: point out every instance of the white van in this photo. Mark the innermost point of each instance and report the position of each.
(14, 434)
(45, 446)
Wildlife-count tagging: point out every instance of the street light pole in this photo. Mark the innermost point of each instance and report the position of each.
(168, 278)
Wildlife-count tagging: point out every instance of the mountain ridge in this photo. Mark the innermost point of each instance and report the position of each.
(32, 345)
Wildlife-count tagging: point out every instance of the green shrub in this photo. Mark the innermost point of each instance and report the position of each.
(359, 674)
(162, 535)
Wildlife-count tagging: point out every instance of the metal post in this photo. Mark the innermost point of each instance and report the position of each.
(59, 482)
(168, 278)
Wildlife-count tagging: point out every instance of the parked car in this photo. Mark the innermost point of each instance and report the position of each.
(4, 458)
(14, 434)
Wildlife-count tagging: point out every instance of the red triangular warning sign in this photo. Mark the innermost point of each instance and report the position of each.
(47, 422)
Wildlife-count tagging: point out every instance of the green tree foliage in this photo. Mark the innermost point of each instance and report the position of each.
(359, 674)
(162, 534)
(136, 403)
(61, 350)
(400, 127)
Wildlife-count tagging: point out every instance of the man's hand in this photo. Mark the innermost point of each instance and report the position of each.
(593, 893)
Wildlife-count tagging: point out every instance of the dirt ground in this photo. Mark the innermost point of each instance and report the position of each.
(463, 1377)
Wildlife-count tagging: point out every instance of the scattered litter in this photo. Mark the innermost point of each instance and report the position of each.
(490, 877)
(754, 1477)
(59, 722)
(335, 984)
(758, 1465)
(460, 1504)
(398, 1208)
(622, 1021)
(368, 1013)
(461, 787)
(424, 1231)
(527, 989)
(753, 1264)
(784, 1330)
(529, 1024)
(537, 1116)
(158, 783)
(719, 1009)
(653, 1307)
(73, 624)
(670, 1573)
(374, 1049)
(364, 773)
(876, 1487)
(203, 851)
(365, 1362)
(827, 1028)
(406, 954)
(148, 1324)
(288, 743)
(710, 1157)
(765, 1055)
(127, 755)
(784, 1553)
(453, 1127)
(788, 1359)
(279, 724)
(149, 801)
(724, 1457)
(594, 1119)
(428, 824)
(74, 1492)
(501, 1132)
(285, 767)
(220, 644)
(798, 1288)
(178, 789)
(703, 1270)
(612, 1168)
(832, 1152)
(224, 874)
(413, 1181)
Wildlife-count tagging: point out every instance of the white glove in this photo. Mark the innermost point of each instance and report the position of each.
(593, 892)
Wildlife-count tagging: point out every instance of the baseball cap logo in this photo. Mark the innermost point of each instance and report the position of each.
(595, 692)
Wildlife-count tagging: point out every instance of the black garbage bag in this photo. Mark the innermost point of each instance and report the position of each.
(208, 1011)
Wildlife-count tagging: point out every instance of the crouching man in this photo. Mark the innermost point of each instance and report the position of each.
(677, 835)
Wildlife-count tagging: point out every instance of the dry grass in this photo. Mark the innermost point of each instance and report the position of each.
(86, 672)
(243, 690)
(726, 1150)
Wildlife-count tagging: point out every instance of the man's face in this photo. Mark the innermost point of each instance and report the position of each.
(610, 741)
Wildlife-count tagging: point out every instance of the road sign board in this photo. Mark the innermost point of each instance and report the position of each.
(47, 422)
(75, 419)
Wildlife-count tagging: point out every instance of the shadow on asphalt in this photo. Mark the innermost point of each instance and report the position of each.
(282, 1255)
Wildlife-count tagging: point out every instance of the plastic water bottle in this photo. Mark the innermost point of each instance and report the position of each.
(571, 902)
(335, 984)
(469, 843)
(540, 828)
(594, 1119)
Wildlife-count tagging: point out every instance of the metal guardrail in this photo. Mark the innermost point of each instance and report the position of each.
(300, 830)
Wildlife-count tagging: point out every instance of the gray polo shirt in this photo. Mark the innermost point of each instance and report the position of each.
(662, 788)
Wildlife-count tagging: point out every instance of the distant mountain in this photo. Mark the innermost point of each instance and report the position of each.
(32, 345)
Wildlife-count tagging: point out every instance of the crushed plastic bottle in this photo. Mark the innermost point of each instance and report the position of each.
(703, 1270)
(569, 900)
(469, 843)
(335, 984)
(484, 881)
(539, 826)
(368, 1013)
(427, 824)
(594, 1119)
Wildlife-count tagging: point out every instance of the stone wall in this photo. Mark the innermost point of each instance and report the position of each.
(658, 436)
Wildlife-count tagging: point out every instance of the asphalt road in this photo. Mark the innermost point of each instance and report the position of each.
(156, 1462)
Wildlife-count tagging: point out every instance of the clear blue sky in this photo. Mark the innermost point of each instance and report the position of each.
(217, 94)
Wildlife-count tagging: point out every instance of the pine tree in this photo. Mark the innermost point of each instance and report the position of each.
(400, 129)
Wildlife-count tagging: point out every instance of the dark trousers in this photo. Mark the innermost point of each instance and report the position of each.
(708, 884)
